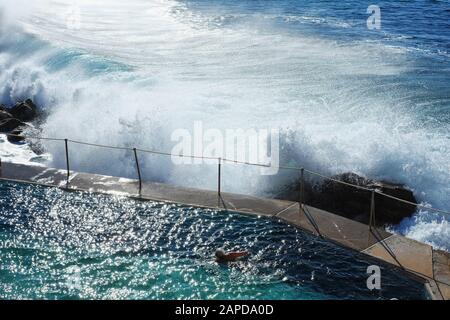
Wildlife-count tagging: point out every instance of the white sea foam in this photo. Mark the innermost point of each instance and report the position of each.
(136, 71)
(19, 153)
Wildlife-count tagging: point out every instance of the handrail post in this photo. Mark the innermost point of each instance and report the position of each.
(138, 170)
(302, 189)
(372, 210)
(219, 176)
(371, 215)
(66, 144)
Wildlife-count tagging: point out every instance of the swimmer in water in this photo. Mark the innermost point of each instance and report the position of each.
(223, 257)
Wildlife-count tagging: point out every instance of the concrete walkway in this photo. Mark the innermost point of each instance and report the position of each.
(431, 266)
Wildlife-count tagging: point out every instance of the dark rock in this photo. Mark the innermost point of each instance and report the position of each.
(15, 135)
(10, 124)
(4, 114)
(24, 111)
(355, 203)
(389, 210)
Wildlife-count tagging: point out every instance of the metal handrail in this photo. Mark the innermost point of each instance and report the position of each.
(220, 162)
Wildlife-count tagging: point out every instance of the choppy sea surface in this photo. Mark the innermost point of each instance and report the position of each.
(345, 98)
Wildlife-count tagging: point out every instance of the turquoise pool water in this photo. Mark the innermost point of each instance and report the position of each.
(76, 245)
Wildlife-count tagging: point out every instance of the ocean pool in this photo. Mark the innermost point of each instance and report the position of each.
(56, 244)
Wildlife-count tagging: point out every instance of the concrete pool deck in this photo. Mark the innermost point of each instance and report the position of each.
(429, 265)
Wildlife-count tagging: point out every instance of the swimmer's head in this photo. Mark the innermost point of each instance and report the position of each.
(220, 253)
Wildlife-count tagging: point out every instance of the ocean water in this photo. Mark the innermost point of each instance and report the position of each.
(60, 245)
(375, 102)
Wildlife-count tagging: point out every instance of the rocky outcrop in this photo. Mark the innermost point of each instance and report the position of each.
(354, 203)
(5, 114)
(10, 124)
(15, 135)
(24, 111)
(13, 120)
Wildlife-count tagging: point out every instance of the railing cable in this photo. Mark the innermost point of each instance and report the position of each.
(225, 160)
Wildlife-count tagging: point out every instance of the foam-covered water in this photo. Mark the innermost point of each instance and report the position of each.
(345, 98)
